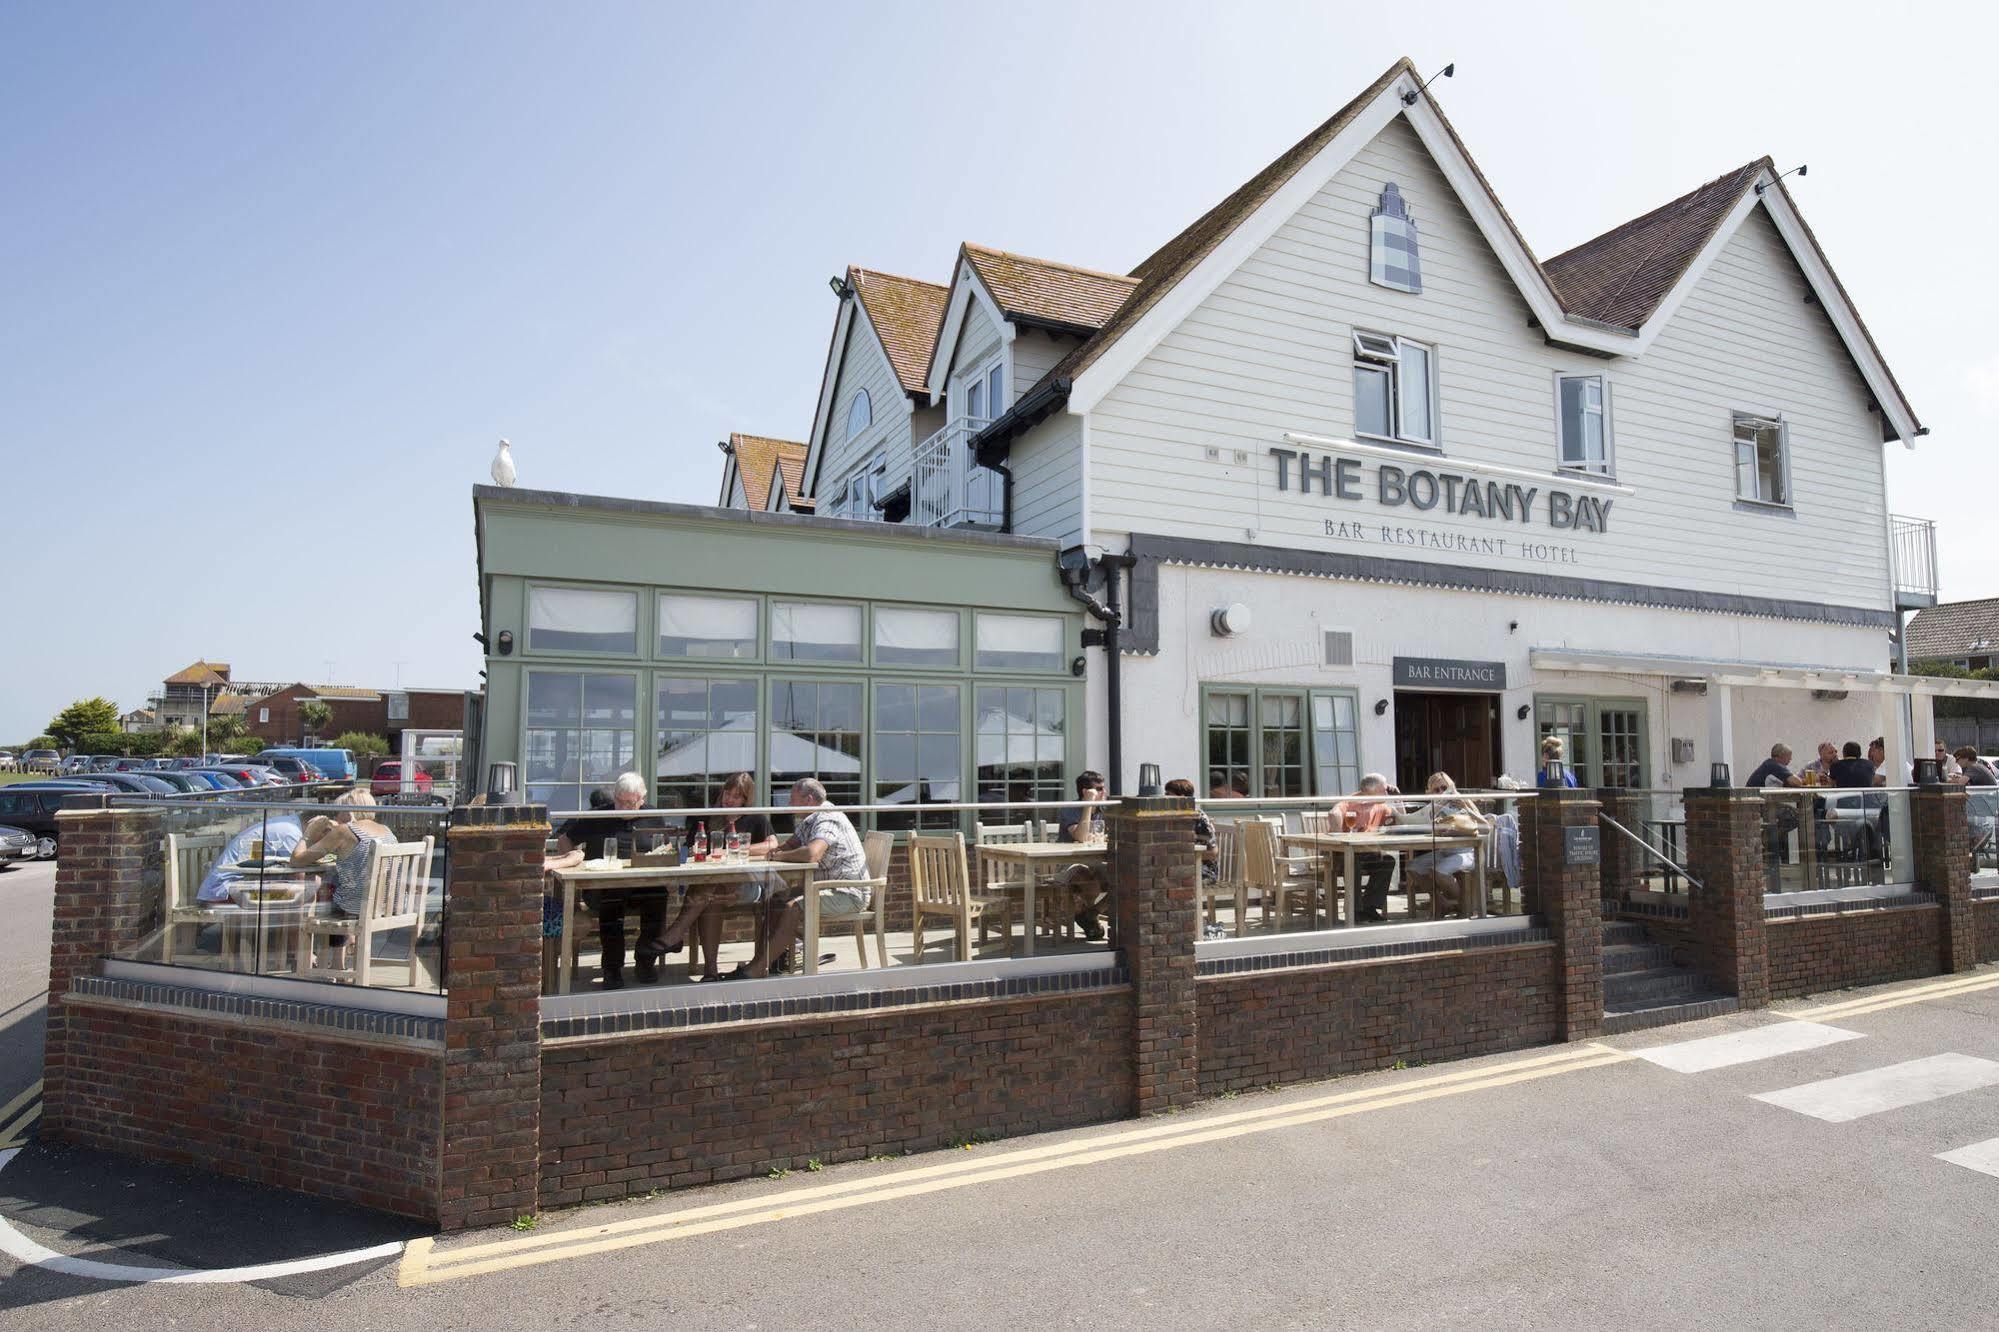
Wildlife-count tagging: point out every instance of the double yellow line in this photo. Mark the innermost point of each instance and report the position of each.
(1920, 994)
(19, 1115)
(425, 1264)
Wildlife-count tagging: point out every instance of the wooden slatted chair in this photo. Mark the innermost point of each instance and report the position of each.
(189, 858)
(943, 888)
(1276, 879)
(1229, 881)
(876, 847)
(397, 899)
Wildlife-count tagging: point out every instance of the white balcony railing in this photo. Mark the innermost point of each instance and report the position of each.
(1915, 551)
(948, 488)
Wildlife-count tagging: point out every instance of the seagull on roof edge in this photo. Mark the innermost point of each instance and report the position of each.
(503, 465)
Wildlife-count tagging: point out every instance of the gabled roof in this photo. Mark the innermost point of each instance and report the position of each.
(756, 458)
(201, 673)
(1623, 276)
(226, 705)
(905, 313)
(1044, 290)
(1955, 629)
(788, 479)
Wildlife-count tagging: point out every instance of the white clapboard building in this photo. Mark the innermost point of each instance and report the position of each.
(1372, 487)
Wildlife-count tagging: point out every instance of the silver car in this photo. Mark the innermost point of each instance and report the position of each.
(16, 844)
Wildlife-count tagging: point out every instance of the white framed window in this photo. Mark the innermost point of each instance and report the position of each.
(860, 496)
(1582, 414)
(1394, 388)
(860, 413)
(1762, 459)
(985, 391)
(263, 716)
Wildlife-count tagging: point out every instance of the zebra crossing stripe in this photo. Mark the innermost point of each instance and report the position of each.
(1745, 1047)
(1857, 1095)
(1980, 1156)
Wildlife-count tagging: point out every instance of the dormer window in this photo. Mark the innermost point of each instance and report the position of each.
(985, 392)
(860, 413)
(1394, 389)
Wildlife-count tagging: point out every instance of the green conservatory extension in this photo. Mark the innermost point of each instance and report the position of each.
(898, 665)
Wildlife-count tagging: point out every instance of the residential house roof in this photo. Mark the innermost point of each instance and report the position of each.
(790, 475)
(345, 693)
(1042, 289)
(227, 705)
(757, 458)
(1955, 629)
(201, 673)
(905, 312)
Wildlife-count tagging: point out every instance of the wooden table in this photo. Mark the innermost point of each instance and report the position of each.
(1037, 860)
(1351, 844)
(658, 876)
(266, 920)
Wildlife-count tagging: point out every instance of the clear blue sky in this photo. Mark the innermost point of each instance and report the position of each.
(277, 277)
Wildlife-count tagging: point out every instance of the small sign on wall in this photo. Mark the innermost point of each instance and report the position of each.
(1448, 673)
(1581, 846)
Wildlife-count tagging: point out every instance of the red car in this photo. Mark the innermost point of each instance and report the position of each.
(388, 779)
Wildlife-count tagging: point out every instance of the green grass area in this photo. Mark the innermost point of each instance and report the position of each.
(7, 777)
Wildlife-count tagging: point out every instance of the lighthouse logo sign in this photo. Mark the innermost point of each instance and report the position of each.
(1391, 249)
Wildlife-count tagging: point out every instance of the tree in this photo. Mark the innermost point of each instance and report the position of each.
(222, 730)
(315, 714)
(86, 716)
(184, 743)
(360, 743)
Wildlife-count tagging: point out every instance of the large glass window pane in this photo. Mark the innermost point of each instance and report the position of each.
(918, 754)
(581, 734)
(707, 626)
(1761, 469)
(815, 731)
(1019, 642)
(814, 631)
(1415, 388)
(707, 733)
(1371, 410)
(1228, 740)
(1583, 437)
(576, 619)
(906, 637)
(1335, 743)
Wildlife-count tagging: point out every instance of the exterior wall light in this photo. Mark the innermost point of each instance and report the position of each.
(1380, 706)
(1230, 620)
(1148, 779)
(1520, 713)
(505, 642)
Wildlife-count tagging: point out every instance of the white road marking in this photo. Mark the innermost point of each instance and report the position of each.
(1857, 1095)
(1980, 1156)
(24, 1250)
(1744, 1047)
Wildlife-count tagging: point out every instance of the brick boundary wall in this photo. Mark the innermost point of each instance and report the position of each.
(1985, 915)
(1156, 876)
(1623, 867)
(1810, 954)
(1725, 913)
(1942, 844)
(490, 1117)
(1263, 1028)
(620, 1115)
(1568, 896)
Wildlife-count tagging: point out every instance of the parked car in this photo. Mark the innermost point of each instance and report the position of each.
(32, 807)
(388, 779)
(132, 783)
(41, 758)
(179, 781)
(16, 844)
(76, 763)
(294, 769)
(207, 781)
(7, 758)
(333, 764)
(226, 781)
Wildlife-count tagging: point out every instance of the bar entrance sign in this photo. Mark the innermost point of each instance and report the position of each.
(1447, 673)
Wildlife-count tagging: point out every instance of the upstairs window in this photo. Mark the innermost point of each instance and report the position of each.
(985, 393)
(860, 413)
(1762, 460)
(1581, 404)
(1394, 388)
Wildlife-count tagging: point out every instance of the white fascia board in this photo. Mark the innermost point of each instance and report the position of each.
(1755, 674)
(728, 481)
(966, 288)
(836, 358)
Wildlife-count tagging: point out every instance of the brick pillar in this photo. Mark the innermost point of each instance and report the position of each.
(1566, 896)
(491, 1157)
(1942, 819)
(109, 878)
(1623, 867)
(1154, 874)
(1725, 854)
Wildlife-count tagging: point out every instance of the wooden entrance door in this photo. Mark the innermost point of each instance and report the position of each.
(1454, 733)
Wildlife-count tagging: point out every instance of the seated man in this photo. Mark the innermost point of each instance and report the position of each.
(1375, 868)
(1776, 771)
(825, 840)
(580, 839)
(281, 834)
(1079, 823)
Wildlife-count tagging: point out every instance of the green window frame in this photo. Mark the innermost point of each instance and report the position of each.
(1608, 739)
(1020, 743)
(568, 751)
(822, 717)
(1285, 740)
(918, 733)
(542, 639)
(705, 730)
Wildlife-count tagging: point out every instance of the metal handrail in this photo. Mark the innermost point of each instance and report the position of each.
(1651, 850)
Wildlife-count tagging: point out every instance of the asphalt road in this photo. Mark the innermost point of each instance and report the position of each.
(1571, 1186)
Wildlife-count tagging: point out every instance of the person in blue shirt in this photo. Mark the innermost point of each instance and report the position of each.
(282, 835)
(1551, 755)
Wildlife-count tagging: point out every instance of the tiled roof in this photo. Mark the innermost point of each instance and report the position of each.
(201, 673)
(1623, 276)
(905, 313)
(348, 693)
(1044, 289)
(1955, 629)
(757, 457)
(226, 705)
(791, 473)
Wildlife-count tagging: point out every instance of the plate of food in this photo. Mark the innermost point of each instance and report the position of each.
(252, 895)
